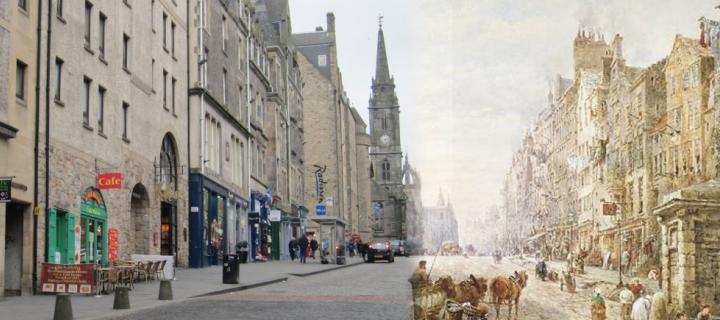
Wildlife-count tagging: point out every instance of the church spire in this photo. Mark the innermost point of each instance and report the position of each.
(382, 70)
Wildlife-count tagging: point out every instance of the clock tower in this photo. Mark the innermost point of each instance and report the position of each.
(385, 150)
(390, 201)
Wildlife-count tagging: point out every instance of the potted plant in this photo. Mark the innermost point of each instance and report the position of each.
(242, 251)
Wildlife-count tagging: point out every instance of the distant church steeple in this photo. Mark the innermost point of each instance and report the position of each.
(441, 199)
(382, 70)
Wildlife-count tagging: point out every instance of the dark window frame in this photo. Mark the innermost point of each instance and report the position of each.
(126, 108)
(21, 80)
(58, 78)
(88, 24)
(102, 28)
(87, 82)
(101, 108)
(126, 52)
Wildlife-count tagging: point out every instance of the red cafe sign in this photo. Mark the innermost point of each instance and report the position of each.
(111, 180)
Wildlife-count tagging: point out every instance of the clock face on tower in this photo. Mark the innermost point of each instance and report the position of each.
(385, 140)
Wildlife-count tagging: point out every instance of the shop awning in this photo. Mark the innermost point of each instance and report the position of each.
(325, 220)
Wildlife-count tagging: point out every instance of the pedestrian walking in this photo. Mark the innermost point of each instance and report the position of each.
(641, 308)
(597, 307)
(636, 287)
(303, 244)
(626, 300)
(291, 246)
(625, 262)
(313, 247)
(705, 313)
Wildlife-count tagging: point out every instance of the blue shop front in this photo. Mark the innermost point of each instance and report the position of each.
(218, 221)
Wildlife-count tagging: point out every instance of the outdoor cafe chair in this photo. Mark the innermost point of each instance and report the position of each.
(160, 272)
(141, 272)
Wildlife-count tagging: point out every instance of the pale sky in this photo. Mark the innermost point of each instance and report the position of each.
(472, 74)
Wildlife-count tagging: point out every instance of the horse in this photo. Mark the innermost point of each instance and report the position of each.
(504, 289)
(472, 291)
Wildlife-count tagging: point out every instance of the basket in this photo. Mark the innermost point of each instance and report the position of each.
(427, 302)
(475, 313)
(453, 310)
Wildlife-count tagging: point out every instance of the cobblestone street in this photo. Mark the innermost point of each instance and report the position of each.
(539, 300)
(367, 291)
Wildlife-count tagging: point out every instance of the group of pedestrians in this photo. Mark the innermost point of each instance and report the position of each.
(636, 304)
(302, 248)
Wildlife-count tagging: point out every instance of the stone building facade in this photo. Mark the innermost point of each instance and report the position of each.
(18, 108)
(440, 224)
(285, 100)
(643, 159)
(117, 105)
(336, 168)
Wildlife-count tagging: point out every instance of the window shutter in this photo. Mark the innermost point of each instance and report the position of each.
(70, 248)
(52, 236)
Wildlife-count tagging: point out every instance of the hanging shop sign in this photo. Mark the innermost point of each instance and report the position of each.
(610, 209)
(5, 189)
(68, 278)
(111, 180)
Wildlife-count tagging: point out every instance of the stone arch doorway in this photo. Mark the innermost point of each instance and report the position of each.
(140, 216)
(168, 200)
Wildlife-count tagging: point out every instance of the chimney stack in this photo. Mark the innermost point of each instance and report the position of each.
(330, 22)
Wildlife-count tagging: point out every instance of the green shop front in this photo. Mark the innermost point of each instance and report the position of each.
(84, 240)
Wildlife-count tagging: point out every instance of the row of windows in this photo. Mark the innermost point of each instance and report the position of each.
(100, 103)
(102, 26)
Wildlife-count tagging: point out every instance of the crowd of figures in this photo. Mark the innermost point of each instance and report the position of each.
(636, 302)
(447, 299)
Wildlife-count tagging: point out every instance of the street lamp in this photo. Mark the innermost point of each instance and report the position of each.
(616, 194)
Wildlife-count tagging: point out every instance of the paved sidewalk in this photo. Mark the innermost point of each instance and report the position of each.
(189, 283)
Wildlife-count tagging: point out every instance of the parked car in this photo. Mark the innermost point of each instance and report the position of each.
(399, 248)
(380, 251)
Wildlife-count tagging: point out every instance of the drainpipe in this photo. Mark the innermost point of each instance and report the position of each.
(288, 143)
(248, 93)
(202, 64)
(47, 121)
(36, 148)
(187, 97)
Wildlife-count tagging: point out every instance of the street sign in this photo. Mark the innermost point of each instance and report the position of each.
(320, 210)
(275, 215)
(5, 190)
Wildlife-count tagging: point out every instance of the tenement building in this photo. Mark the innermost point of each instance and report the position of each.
(19, 105)
(335, 144)
(285, 104)
(113, 173)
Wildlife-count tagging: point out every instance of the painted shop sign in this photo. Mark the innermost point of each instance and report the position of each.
(112, 180)
(320, 182)
(113, 244)
(5, 189)
(68, 278)
(93, 204)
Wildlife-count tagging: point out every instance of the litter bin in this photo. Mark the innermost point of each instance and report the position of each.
(340, 254)
(231, 269)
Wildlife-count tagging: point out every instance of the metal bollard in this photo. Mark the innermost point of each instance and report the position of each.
(63, 307)
(122, 298)
(165, 290)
